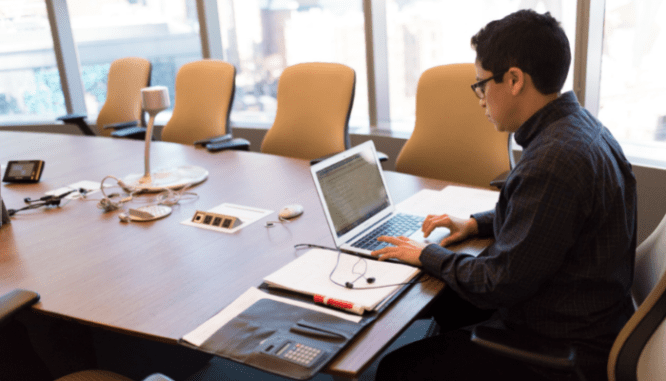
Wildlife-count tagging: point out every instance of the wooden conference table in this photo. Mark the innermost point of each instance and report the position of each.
(162, 279)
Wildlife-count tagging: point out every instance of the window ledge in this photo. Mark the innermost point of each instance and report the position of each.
(645, 154)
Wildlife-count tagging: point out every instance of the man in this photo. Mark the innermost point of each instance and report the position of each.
(561, 265)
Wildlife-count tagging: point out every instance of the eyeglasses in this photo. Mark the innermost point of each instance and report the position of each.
(479, 88)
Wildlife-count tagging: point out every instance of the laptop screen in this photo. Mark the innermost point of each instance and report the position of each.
(353, 190)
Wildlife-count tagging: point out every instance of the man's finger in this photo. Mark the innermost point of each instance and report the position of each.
(432, 224)
(450, 239)
(384, 257)
(389, 239)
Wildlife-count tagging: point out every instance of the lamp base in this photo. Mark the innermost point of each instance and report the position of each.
(172, 178)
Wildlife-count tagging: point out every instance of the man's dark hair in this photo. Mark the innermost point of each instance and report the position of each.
(530, 41)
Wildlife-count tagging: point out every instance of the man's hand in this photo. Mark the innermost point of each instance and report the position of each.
(405, 250)
(460, 229)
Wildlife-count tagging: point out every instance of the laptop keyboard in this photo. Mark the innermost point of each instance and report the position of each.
(399, 224)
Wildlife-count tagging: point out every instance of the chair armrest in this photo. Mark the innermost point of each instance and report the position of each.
(79, 121)
(72, 117)
(15, 301)
(528, 348)
(131, 133)
(216, 139)
(122, 125)
(499, 181)
(238, 144)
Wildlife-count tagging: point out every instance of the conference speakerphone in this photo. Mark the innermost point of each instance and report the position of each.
(216, 220)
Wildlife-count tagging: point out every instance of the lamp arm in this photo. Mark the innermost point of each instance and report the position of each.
(149, 136)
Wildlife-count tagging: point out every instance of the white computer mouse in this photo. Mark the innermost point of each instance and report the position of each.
(291, 211)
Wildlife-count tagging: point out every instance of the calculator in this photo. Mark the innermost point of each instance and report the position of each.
(292, 351)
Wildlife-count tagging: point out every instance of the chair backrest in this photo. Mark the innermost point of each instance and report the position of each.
(314, 101)
(639, 352)
(452, 138)
(204, 96)
(127, 76)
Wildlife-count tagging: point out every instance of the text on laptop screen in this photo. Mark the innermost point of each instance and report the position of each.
(353, 191)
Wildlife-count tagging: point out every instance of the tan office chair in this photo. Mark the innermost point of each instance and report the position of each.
(452, 138)
(18, 300)
(122, 107)
(314, 101)
(639, 350)
(204, 95)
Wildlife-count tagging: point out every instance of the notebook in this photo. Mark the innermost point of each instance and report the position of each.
(357, 204)
(319, 273)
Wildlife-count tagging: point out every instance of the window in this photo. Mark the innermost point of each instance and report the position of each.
(261, 38)
(427, 33)
(166, 32)
(632, 100)
(29, 81)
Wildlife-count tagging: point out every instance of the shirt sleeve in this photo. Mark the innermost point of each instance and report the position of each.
(484, 222)
(541, 218)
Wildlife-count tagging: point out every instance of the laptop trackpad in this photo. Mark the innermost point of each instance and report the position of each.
(436, 236)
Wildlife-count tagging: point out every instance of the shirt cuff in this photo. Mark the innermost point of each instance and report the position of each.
(432, 258)
(484, 221)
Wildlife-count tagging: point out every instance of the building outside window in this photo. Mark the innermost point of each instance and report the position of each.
(632, 100)
(262, 37)
(29, 80)
(427, 33)
(166, 32)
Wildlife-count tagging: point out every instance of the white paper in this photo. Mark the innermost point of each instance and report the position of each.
(453, 200)
(246, 214)
(311, 274)
(90, 186)
(199, 335)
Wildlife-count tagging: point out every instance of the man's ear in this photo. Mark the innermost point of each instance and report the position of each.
(517, 80)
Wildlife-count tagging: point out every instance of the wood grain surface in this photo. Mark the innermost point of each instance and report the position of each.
(162, 279)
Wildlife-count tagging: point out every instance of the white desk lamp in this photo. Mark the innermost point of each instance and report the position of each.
(156, 99)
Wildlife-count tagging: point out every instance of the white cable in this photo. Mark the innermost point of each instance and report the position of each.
(107, 203)
(167, 196)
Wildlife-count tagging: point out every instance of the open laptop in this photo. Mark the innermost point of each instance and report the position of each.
(357, 204)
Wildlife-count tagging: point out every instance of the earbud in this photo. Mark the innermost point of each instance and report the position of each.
(370, 280)
(349, 285)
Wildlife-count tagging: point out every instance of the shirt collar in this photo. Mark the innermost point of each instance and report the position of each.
(564, 105)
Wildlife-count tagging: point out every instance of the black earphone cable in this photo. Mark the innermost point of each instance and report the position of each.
(350, 285)
(42, 201)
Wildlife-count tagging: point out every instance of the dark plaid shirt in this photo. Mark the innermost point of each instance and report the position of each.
(565, 232)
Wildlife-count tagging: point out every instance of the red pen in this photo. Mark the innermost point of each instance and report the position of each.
(337, 303)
